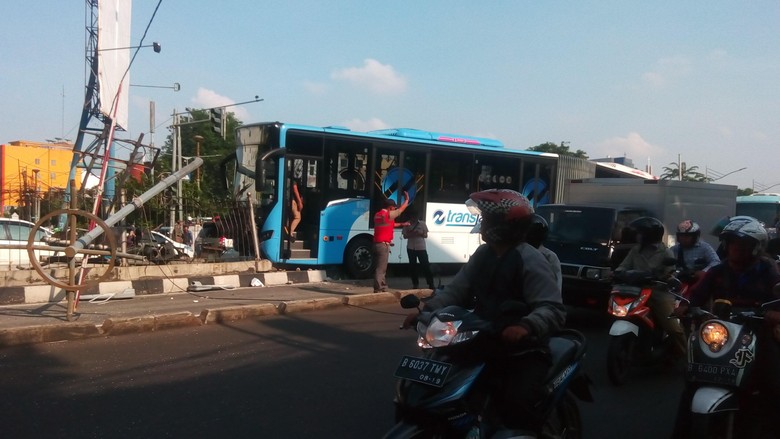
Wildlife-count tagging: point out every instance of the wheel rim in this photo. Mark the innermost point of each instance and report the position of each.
(51, 280)
(362, 258)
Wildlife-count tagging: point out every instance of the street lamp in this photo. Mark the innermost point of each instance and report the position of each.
(156, 47)
(176, 86)
(718, 175)
(198, 139)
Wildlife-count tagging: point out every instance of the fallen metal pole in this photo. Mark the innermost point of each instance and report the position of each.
(137, 202)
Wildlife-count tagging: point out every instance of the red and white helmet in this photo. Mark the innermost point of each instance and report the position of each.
(505, 214)
(689, 228)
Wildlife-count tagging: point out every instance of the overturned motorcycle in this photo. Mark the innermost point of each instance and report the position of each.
(443, 392)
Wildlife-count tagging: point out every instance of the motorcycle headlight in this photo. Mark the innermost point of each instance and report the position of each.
(715, 335)
(619, 310)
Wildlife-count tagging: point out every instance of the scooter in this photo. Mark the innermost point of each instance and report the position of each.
(721, 360)
(635, 337)
(443, 394)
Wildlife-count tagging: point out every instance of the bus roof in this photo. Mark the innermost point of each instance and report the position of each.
(759, 198)
(414, 135)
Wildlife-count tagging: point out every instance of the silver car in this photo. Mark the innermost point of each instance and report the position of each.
(15, 232)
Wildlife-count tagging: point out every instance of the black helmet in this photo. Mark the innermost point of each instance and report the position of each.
(537, 231)
(650, 229)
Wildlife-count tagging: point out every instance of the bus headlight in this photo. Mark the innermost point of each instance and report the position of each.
(715, 335)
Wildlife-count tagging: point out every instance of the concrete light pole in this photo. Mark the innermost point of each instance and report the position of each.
(198, 139)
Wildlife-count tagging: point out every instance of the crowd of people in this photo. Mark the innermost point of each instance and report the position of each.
(513, 266)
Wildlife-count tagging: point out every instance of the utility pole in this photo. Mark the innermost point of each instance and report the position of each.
(198, 139)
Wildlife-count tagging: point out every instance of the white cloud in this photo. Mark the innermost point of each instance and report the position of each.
(206, 98)
(667, 70)
(632, 146)
(374, 76)
(366, 125)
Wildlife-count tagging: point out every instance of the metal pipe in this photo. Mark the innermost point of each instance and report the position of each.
(137, 202)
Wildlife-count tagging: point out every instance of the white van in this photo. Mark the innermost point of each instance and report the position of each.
(16, 232)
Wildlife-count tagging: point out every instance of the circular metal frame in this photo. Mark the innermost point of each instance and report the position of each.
(71, 251)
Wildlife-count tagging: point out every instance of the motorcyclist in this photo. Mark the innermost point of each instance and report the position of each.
(717, 229)
(651, 255)
(510, 284)
(537, 233)
(747, 278)
(693, 255)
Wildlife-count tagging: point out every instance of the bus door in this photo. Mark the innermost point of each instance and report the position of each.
(302, 199)
(397, 172)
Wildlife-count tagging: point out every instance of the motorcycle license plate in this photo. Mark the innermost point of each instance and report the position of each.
(713, 373)
(423, 371)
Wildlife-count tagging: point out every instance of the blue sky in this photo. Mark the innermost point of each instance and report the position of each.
(648, 80)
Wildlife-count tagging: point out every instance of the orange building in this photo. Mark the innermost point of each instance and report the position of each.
(33, 167)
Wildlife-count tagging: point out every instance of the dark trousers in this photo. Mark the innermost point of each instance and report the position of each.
(422, 256)
(381, 254)
(517, 387)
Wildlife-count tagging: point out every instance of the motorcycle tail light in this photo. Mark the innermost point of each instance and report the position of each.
(715, 335)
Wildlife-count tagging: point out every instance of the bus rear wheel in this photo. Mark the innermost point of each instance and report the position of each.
(359, 258)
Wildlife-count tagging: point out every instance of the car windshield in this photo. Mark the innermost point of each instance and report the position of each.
(582, 225)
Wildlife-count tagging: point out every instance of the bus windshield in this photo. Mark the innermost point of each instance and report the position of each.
(763, 208)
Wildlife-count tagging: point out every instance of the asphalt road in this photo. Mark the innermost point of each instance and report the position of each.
(317, 374)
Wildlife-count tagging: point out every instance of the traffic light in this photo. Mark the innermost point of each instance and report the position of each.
(216, 120)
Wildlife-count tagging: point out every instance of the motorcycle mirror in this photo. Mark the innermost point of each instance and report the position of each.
(772, 303)
(410, 301)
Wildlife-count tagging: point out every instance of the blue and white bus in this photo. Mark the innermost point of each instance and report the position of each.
(764, 207)
(343, 176)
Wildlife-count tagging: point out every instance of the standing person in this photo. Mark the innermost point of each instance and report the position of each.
(178, 231)
(296, 206)
(384, 223)
(131, 237)
(509, 283)
(416, 233)
(536, 235)
(650, 255)
(187, 236)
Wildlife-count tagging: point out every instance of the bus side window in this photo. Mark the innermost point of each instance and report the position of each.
(450, 177)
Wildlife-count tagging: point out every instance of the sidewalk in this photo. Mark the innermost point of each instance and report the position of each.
(217, 302)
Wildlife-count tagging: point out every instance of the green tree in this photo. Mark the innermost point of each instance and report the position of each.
(745, 191)
(211, 195)
(561, 149)
(672, 172)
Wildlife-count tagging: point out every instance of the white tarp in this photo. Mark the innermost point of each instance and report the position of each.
(113, 74)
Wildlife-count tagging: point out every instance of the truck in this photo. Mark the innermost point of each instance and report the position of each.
(588, 230)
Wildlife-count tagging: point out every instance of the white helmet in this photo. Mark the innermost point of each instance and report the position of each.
(746, 227)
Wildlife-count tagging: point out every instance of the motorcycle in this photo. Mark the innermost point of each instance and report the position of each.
(721, 361)
(635, 337)
(443, 393)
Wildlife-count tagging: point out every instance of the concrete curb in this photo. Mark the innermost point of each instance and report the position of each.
(20, 295)
(151, 323)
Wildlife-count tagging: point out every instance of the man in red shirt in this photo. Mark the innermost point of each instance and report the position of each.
(384, 223)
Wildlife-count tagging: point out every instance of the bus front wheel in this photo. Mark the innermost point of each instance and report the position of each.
(359, 258)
